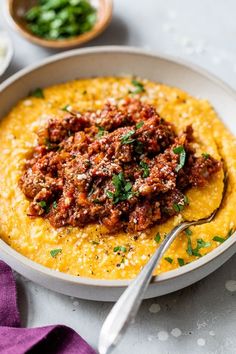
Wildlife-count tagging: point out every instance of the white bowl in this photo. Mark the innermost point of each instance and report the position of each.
(7, 48)
(103, 61)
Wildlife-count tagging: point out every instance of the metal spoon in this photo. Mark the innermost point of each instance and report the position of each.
(126, 308)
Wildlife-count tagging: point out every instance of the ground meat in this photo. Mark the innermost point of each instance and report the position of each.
(122, 166)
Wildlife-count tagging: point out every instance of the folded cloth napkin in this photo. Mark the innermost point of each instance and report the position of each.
(55, 339)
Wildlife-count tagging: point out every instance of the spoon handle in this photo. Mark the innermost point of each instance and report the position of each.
(125, 309)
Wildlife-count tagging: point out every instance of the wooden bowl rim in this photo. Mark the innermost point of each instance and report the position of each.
(104, 18)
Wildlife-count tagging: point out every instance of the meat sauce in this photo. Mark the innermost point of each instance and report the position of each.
(122, 166)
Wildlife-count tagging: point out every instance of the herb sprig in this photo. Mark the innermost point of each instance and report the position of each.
(127, 138)
(123, 189)
(138, 85)
(182, 157)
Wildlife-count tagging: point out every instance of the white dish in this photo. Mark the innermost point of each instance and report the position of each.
(6, 51)
(103, 61)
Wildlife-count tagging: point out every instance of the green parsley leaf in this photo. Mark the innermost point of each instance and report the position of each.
(218, 239)
(230, 233)
(65, 108)
(195, 251)
(188, 232)
(126, 139)
(157, 238)
(186, 200)
(120, 248)
(95, 242)
(181, 262)
(205, 155)
(139, 125)
(101, 132)
(168, 259)
(189, 249)
(178, 207)
(54, 204)
(43, 204)
(182, 157)
(139, 87)
(145, 169)
(202, 244)
(38, 92)
(109, 194)
(123, 189)
(55, 252)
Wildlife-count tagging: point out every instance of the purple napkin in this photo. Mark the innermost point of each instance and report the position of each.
(55, 339)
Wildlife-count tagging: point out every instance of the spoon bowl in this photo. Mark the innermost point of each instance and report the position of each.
(126, 308)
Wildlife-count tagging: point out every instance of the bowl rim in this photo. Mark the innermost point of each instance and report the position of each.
(9, 52)
(100, 25)
(86, 281)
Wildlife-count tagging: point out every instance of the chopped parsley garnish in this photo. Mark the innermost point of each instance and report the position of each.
(188, 232)
(120, 249)
(182, 157)
(65, 108)
(230, 233)
(126, 139)
(181, 262)
(157, 238)
(178, 207)
(195, 251)
(54, 204)
(139, 125)
(205, 155)
(139, 87)
(38, 92)
(145, 169)
(168, 259)
(101, 132)
(218, 239)
(43, 204)
(95, 242)
(186, 200)
(123, 189)
(55, 252)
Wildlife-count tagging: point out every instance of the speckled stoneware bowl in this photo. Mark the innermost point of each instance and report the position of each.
(102, 61)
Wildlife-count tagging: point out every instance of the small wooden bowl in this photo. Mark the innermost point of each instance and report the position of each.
(17, 9)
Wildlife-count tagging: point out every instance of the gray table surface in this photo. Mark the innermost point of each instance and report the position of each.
(200, 318)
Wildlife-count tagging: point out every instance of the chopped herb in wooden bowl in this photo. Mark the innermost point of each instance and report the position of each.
(61, 19)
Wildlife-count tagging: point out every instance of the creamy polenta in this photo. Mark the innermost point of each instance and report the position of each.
(92, 251)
